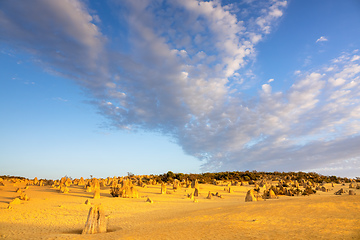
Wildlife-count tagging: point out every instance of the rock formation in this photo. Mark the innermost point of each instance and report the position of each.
(24, 197)
(95, 183)
(195, 184)
(68, 182)
(352, 192)
(81, 182)
(64, 189)
(324, 189)
(191, 196)
(341, 191)
(97, 193)
(125, 190)
(270, 194)
(176, 184)
(89, 189)
(196, 192)
(228, 190)
(163, 188)
(250, 196)
(95, 222)
(308, 190)
(15, 201)
(35, 181)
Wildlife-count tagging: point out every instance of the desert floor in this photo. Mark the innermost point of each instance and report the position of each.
(50, 214)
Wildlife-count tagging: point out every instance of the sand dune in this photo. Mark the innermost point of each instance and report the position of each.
(50, 214)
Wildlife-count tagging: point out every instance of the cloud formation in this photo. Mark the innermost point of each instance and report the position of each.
(59, 35)
(322, 39)
(180, 73)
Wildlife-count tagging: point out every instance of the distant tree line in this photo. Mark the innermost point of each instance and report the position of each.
(247, 176)
(5, 177)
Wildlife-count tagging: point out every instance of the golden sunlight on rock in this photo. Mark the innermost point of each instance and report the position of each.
(267, 206)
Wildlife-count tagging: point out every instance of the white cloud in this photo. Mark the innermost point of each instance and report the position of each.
(322, 39)
(266, 88)
(355, 58)
(60, 35)
(177, 74)
(273, 12)
(270, 80)
(337, 82)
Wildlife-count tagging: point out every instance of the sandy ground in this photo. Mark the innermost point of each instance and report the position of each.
(50, 214)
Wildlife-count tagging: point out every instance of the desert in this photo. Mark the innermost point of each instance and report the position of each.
(145, 207)
(179, 119)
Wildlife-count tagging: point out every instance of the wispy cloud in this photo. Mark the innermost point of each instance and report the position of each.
(180, 73)
(322, 39)
(60, 99)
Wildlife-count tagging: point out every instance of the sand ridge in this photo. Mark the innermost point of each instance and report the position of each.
(50, 214)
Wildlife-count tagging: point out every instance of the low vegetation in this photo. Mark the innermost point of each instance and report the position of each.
(246, 176)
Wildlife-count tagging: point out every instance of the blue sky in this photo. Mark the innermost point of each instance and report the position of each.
(105, 88)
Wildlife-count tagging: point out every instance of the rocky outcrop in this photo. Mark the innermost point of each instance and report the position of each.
(125, 190)
(96, 222)
(163, 188)
(251, 196)
(341, 191)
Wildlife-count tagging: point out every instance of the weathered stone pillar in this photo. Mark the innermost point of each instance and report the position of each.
(96, 222)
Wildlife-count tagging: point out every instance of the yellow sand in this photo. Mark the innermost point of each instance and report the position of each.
(50, 214)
